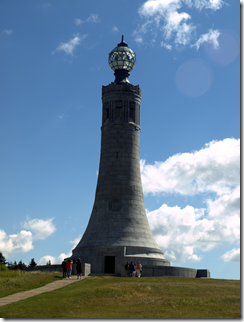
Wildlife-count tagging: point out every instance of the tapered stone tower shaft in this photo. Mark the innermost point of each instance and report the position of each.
(118, 229)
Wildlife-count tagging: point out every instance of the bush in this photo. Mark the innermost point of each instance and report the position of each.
(3, 268)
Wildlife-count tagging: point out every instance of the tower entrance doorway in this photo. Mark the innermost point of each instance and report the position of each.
(109, 264)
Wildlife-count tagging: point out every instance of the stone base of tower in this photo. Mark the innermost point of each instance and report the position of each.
(108, 260)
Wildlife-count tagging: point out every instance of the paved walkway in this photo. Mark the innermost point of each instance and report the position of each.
(47, 288)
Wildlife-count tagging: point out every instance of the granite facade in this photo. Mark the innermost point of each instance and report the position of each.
(118, 221)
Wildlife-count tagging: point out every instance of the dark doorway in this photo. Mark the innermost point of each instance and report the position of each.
(109, 267)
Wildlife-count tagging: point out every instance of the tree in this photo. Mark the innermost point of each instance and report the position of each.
(10, 265)
(49, 262)
(21, 265)
(2, 259)
(32, 263)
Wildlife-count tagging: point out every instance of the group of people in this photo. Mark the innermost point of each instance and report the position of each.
(133, 269)
(67, 268)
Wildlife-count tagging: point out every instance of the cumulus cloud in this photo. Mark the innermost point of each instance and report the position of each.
(92, 18)
(164, 16)
(57, 260)
(71, 45)
(215, 168)
(22, 242)
(211, 37)
(41, 228)
(16, 243)
(183, 233)
(232, 255)
(7, 32)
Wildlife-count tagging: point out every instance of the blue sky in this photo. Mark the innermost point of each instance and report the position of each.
(54, 58)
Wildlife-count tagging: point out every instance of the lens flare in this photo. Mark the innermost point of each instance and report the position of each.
(194, 78)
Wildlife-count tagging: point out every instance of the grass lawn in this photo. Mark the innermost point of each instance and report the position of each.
(146, 297)
(17, 281)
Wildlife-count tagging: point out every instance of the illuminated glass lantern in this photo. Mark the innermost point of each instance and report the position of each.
(122, 60)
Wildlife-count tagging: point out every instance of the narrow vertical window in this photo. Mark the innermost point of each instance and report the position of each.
(105, 112)
(132, 112)
(118, 110)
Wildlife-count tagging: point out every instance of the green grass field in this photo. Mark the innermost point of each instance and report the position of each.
(120, 297)
(17, 281)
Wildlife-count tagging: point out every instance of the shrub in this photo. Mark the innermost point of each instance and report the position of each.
(3, 268)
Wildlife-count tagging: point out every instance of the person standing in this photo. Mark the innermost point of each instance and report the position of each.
(134, 272)
(69, 267)
(78, 268)
(127, 269)
(131, 269)
(138, 269)
(64, 267)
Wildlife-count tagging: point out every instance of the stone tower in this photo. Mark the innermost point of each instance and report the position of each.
(118, 229)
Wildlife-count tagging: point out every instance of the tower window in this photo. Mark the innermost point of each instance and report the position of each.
(132, 111)
(132, 114)
(105, 112)
(118, 112)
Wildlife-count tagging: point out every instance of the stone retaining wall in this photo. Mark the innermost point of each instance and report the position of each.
(170, 271)
(86, 268)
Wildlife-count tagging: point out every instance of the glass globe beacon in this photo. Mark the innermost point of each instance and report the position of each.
(122, 57)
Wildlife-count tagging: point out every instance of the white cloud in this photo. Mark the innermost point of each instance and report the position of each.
(232, 255)
(167, 46)
(215, 168)
(92, 18)
(45, 259)
(211, 37)
(78, 21)
(139, 40)
(164, 15)
(182, 233)
(209, 4)
(62, 116)
(23, 242)
(16, 243)
(41, 228)
(7, 32)
(71, 45)
(184, 34)
(174, 19)
(115, 29)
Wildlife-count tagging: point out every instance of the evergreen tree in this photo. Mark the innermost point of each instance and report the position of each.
(10, 265)
(32, 263)
(2, 259)
(49, 262)
(21, 265)
(15, 265)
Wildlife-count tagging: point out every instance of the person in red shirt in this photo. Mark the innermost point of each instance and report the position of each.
(138, 269)
(69, 267)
